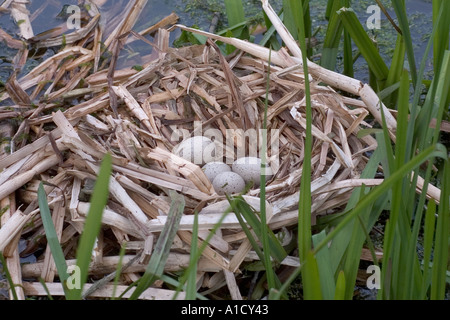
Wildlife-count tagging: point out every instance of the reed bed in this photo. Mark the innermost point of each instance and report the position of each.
(73, 109)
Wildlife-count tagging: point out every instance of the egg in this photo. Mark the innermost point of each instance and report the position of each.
(249, 168)
(213, 169)
(198, 150)
(228, 183)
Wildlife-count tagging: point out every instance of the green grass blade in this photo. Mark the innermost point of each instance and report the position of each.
(440, 260)
(400, 242)
(400, 11)
(364, 44)
(177, 284)
(235, 14)
(52, 238)
(396, 68)
(329, 8)
(384, 142)
(340, 287)
(264, 228)
(440, 99)
(386, 271)
(289, 13)
(8, 276)
(297, 20)
(243, 211)
(348, 55)
(270, 39)
(428, 236)
(234, 11)
(276, 249)
(432, 151)
(441, 38)
(411, 275)
(239, 215)
(365, 221)
(400, 146)
(416, 133)
(155, 267)
(310, 273)
(388, 91)
(397, 239)
(434, 107)
(332, 37)
(274, 283)
(311, 279)
(306, 26)
(276, 294)
(42, 282)
(369, 241)
(181, 283)
(327, 282)
(191, 286)
(118, 270)
(304, 217)
(93, 223)
(342, 240)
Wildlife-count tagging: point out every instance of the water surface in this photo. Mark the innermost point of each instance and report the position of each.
(200, 13)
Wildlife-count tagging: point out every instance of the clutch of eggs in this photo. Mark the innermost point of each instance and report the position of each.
(226, 180)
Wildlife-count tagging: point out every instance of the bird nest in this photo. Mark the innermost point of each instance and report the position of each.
(139, 115)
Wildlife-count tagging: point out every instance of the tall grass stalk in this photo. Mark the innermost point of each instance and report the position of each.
(91, 228)
(291, 18)
(191, 287)
(52, 239)
(441, 254)
(400, 11)
(118, 269)
(155, 267)
(430, 222)
(194, 259)
(251, 222)
(264, 228)
(333, 36)
(92, 224)
(12, 286)
(310, 278)
(365, 45)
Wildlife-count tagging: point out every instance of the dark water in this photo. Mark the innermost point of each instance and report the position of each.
(200, 13)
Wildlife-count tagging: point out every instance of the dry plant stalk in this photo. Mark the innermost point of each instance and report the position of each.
(55, 289)
(21, 15)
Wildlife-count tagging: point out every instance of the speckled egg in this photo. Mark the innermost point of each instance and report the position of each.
(198, 150)
(249, 168)
(213, 169)
(228, 183)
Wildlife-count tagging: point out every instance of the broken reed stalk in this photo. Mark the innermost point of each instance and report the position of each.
(9, 244)
(329, 77)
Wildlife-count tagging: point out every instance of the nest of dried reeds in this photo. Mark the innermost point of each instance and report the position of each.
(133, 115)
